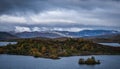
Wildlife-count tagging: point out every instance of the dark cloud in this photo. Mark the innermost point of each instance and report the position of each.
(22, 6)
(11, 6)
(82, 13)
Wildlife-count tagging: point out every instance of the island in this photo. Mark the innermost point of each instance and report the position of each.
(89, 61)
(58, 47)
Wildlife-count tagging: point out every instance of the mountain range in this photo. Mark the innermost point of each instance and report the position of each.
(57, 34)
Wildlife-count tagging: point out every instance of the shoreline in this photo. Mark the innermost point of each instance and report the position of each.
(63, 56)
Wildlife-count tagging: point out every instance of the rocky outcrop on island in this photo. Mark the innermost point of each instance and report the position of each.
(89, 61)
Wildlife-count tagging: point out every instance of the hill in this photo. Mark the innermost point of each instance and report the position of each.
(6, 35)
(37, 34)
(106, 38)
(58, 34)
(54, 48)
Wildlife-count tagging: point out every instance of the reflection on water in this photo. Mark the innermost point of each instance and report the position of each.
(29, 62)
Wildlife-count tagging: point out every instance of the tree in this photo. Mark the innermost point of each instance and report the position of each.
(43, 50)
(81, 61)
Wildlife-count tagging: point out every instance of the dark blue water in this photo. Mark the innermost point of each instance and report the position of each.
(111, 44)
(29, 62)
(6, 43)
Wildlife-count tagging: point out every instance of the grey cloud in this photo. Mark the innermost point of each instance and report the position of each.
(12, 27)
(22, 6)
(106, 11)
(11, 6)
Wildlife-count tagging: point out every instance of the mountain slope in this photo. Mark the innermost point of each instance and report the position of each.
(51, 48)
(6, 35)
(57, 34)
(106, 38)
(86, 33)
(37, 34)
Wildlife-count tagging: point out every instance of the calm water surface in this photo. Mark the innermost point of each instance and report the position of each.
(29, 62)
(6, 43)
(111, 44)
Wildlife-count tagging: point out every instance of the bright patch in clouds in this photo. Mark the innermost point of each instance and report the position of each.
(22, 29)
(54, 16)
(53, 13)
(12, 19)
(38, 29)
(48, 17)
(62, 16)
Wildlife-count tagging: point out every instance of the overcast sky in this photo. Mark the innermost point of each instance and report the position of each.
(68, 15)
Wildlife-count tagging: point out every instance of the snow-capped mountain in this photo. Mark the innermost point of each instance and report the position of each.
(56, 34)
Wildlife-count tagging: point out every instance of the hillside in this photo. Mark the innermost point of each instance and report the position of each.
(58, 34)
(5, 35)
(106, 38)
(87, 33)
(37, 34)
(54, 48)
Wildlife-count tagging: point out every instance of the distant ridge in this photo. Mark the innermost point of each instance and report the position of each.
(58, 34)
(6, 35)
(106, 38)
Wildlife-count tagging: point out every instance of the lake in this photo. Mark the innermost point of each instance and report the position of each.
(6, 43)
(111, 44)
(29, 62)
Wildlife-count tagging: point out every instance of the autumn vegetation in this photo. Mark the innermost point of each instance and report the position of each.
(54, 48)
